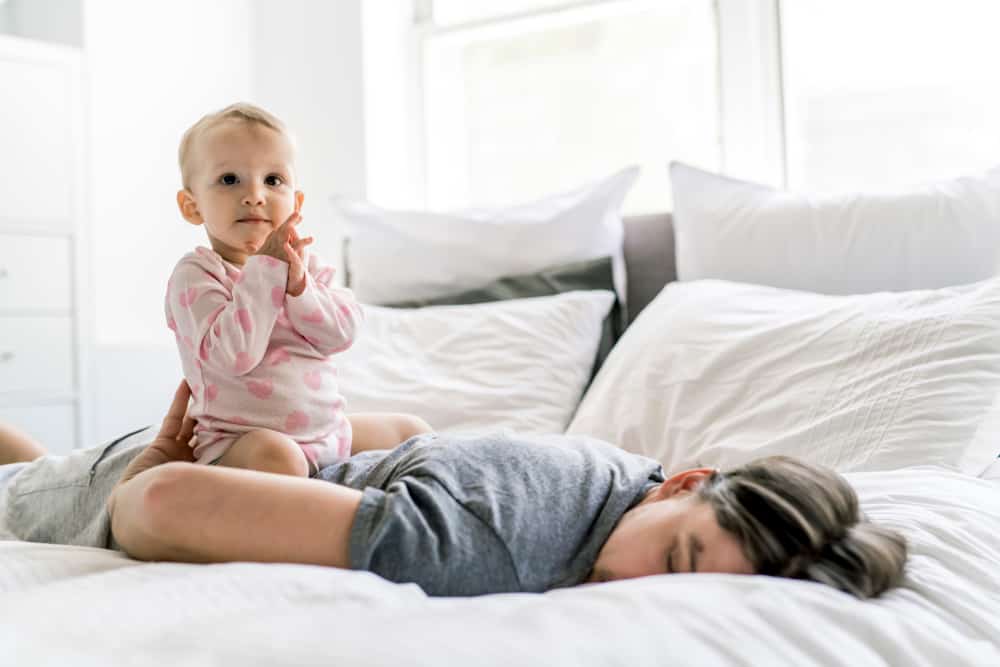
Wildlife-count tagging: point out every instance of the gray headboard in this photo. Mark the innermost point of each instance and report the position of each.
(649, 258)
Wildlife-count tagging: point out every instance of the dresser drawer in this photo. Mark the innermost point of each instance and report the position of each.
(35, 273)
(52, 425)
(36, 355)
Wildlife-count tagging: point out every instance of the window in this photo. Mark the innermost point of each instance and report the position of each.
(889, 93)
(524, 105)
(459, 12)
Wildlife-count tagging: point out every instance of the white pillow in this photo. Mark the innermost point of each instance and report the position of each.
(719, 373)
(402, 255)
(520, 364)
(930, 236)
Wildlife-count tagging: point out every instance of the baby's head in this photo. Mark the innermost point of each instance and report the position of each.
(238, 172)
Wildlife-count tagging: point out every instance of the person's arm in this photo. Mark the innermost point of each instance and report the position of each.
(17, 446)
(327, 316)
(166, 508)
(227, 331)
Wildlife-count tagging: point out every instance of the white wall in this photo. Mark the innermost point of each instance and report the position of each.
(155, 68)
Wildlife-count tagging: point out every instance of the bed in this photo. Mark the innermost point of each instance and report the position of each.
(83, 606)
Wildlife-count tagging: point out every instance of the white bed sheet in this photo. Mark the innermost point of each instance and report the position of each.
(80, 606)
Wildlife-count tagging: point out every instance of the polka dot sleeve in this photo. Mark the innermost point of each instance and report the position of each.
(220, 321)
(327, 316)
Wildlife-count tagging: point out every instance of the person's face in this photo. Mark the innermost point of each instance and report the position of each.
(241, 186)
(669, 532)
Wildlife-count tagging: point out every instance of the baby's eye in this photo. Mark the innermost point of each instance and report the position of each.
(228, 179)
(274, 180)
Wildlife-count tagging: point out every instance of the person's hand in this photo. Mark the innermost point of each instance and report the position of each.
(297, 263)
(285, 244)
(171, 443)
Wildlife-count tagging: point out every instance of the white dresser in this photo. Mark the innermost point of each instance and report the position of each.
(45, 302)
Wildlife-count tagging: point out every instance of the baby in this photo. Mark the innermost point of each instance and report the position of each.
(256, 317)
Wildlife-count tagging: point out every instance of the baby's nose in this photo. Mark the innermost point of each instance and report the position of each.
(253, 197)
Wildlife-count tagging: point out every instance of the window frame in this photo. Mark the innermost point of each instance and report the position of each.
(751, 109)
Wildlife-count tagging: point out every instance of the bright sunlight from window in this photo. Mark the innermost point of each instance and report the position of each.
(522, 108)
(890, 93)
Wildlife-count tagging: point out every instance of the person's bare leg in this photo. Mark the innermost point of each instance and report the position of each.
(267, 451)
(210, 514)
(17, 446)
(383, 430)
(164, 508)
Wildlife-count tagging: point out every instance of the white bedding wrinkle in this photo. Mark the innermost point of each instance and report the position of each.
(72, 605)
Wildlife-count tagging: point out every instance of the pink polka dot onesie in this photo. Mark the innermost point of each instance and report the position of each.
(256, 357)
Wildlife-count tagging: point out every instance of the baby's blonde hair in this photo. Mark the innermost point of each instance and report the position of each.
(240, 111)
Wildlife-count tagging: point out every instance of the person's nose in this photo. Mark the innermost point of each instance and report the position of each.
(254, 195)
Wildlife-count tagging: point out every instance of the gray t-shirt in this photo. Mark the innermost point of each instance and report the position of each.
(490, 514)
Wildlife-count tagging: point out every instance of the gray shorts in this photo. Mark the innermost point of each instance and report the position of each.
(62, 499)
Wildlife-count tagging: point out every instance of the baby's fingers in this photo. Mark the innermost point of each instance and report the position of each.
(294, 260)
(286, 231)
(299, 244)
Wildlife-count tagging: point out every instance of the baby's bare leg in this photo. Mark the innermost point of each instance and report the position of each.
(267, 451)
(17, 446)
(383, 430)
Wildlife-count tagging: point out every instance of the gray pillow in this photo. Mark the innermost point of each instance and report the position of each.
(594, 274)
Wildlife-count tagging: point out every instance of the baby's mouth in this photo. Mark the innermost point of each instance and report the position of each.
(254, 221)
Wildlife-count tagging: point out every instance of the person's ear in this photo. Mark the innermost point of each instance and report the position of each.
(682, 482)
(189, 207)
(299, 198)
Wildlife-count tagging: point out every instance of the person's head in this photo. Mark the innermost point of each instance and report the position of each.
(238, 175)
(775, 516)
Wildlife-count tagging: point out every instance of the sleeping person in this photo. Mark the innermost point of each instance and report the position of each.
(456, 516)
(256, 317)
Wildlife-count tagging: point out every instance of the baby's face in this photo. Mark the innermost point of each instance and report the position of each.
(242, 186)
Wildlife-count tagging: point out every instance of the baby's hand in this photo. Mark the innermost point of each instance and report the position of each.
(276, 243)
(284, 244)
(297, 262)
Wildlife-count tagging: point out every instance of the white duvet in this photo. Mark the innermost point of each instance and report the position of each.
(80, 606)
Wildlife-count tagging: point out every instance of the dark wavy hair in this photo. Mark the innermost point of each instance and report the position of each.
(802, 521)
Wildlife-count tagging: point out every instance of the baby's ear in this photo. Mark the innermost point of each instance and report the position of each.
(189, 207)
(299, 198)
